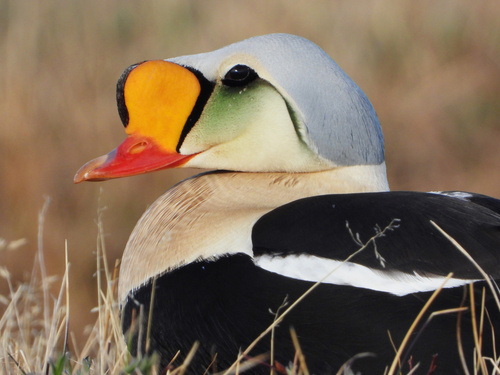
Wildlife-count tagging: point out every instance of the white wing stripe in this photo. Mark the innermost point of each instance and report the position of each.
(313, 268)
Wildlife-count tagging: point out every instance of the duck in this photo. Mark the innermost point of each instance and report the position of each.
(291, 249)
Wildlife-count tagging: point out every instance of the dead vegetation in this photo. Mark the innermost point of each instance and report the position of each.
(431, 70)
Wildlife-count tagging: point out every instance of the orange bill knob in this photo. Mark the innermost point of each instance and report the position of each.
(159, 96)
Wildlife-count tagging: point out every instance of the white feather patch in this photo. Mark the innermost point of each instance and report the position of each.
(313, 268)
(454, 194)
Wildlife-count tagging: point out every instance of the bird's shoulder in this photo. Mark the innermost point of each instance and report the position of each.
(389, 233)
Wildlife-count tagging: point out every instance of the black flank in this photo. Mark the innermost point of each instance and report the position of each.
(226, 304)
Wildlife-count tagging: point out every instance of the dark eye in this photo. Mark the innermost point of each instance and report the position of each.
(239, 75)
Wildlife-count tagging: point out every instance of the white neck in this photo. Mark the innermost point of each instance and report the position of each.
(213, 214)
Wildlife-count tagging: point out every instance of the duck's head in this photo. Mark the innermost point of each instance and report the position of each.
(274, 103)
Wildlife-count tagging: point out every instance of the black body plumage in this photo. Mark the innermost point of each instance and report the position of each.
(226, 303)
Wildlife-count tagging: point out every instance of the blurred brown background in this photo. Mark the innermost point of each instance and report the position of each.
(431, 70)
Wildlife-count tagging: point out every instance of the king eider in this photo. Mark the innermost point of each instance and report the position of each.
(297, 194)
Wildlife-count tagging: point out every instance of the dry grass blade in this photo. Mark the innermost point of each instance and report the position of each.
(430, 318)
(66, 287)
(302, 359)
(279, 319)
(495, 364)
(34, 333)
(150, 315)
(271, 359)
(346, 367)
(424, 309)
(17, 364)
(461, 353)
(478, 267)
(247, 365)
(182, 368)
(477, 332)
(41, 261)
(493, 340)
(25, 314)
(211, 366)
(480, 360)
